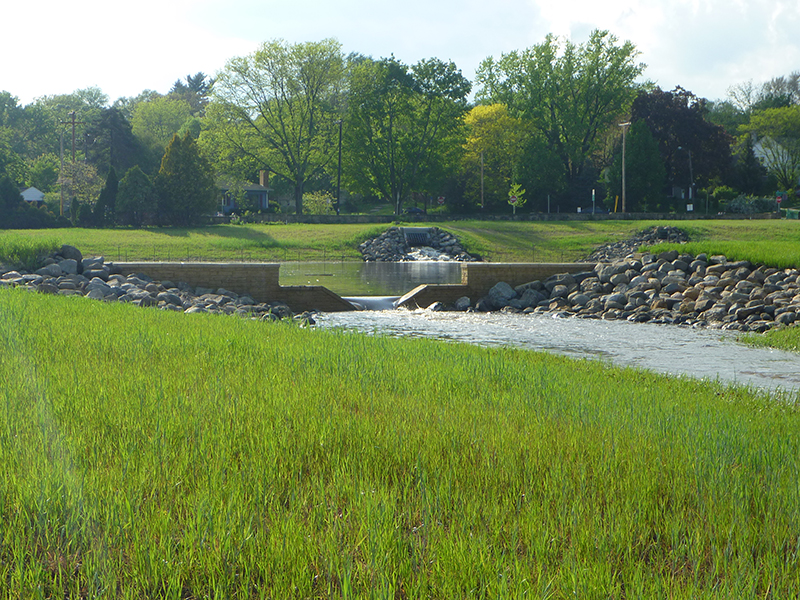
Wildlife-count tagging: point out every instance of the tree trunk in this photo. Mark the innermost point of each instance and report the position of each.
(298, 197)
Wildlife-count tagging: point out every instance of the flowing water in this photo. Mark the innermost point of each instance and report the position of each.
(369, 279)
(699, 353)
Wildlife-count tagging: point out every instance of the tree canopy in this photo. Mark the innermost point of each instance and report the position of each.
(279, 107)
(184, 186)
(567, 93)
(399, 120)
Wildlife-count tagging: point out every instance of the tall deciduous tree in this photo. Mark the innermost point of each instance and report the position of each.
(157, 120)
(677, 120)
(400, 125)
(777, 132)
(184, 185)
(279, 106)
(493, 147)
(568, 93)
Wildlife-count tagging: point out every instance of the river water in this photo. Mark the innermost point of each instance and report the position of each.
(699, 353)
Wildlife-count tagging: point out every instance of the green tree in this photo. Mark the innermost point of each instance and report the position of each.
(777, 132)
(278, 109)
(136, 201)
(569, 94)
(401, 123)
(645, 175)
(43, 172)
(10, 197)
(103, 213)
(195, 91)
(516, 197)
(677, 121)
(494, 142)
(156, 121)
(184, 186)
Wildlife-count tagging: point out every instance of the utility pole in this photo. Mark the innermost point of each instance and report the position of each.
(339, 171)
(624, 131)
(73, 122)
(482, 205)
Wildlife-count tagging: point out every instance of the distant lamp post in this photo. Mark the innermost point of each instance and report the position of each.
(691, 173)
(339, 172)
(624, 132)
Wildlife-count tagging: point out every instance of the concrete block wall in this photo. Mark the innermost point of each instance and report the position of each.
(258, 280)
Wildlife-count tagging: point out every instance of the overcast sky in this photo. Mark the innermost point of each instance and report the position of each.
(50, 47)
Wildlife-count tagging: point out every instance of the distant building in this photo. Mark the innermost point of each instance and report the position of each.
(257, 194)
(33, 196)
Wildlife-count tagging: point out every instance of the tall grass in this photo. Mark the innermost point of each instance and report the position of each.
(21, 250)
(148, 454)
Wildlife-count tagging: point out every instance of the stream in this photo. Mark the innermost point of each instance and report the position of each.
(684, 351)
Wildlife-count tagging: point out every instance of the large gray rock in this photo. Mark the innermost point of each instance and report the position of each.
(462, 303)
(500, 295)
(71, 252)
(69, 266)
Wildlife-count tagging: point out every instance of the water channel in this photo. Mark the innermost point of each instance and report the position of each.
(699, 353)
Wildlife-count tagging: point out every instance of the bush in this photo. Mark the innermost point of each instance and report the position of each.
(747, 205)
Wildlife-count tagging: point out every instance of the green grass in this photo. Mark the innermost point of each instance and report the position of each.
(25, 251)
(264, 243)
(148, 454)
(773, 242)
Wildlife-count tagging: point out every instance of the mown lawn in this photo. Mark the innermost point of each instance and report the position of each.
(774, 242)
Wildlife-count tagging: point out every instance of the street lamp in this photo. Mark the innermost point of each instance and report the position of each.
(624, 131)
(339, 172)
(691, 173)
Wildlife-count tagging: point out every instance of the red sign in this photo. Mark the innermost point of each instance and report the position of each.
(513, 200)
(441, 199)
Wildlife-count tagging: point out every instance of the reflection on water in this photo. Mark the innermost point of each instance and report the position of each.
(701, 353)
(369, 279)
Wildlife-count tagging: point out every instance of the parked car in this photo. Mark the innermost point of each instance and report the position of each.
(413, 210)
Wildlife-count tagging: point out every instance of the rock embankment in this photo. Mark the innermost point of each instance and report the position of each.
(391, 246)
(670, 288)
(649, 237)
(68, 273)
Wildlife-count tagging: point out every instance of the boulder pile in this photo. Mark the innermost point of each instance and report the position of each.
(391, 246)
(68, 273)
(670, 288)
(649, 237)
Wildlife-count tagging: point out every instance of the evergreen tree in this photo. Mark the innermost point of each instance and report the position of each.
(135, 199)
(645, 174)
(10, 199)
(106, 203)
(184, 186)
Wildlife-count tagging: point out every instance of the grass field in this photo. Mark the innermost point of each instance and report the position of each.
(148, 454)
(775, 242)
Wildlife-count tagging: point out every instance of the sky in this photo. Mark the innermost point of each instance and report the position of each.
(52, 47)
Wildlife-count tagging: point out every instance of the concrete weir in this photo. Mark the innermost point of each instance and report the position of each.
(478, 278)
(261, 282)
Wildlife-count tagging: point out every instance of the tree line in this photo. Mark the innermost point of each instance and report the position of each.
(336, 132)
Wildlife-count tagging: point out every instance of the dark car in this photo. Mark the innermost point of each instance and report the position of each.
(413, 210)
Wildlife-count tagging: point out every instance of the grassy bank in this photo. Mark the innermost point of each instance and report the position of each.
(773, 242)
(151, 454)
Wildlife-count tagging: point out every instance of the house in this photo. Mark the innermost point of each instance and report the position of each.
(33, 196)
(257, 195)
